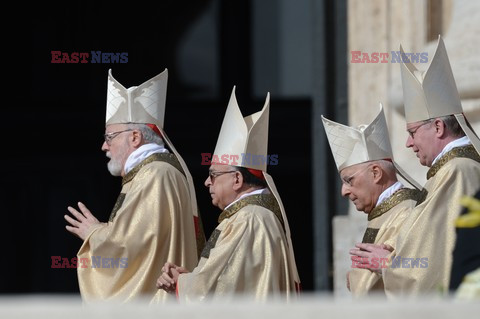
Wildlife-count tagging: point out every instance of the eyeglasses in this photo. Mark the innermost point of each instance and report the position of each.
(348, 180)
(213, 174)
(412, 132)
(110, 136)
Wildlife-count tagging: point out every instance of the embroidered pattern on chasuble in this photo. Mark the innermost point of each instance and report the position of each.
(398, 197)
(267, 201)
(462, 151)
(162, 157)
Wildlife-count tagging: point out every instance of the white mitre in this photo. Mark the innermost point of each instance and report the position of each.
(246, 137)
(433, 93)
(249, 135)
(365, 143)
(137, 104)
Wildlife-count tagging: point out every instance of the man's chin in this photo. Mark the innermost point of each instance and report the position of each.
(114, 170)
(423, 162)
(216, 204)
(359, 208)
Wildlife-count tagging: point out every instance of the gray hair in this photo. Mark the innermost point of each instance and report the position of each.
(148, 134)
(452, 125)
(387, 167)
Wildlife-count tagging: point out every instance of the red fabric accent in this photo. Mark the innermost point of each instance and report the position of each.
(197, 226)
(176, 291)
(195, 223)
(298, 287)
(257, 173)
(155, 129)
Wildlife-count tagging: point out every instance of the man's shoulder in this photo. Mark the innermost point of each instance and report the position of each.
(253, 209)
(458, 173)
(160, 167)
(397, 206)
(256, 214)
(464, 160)
(260, 203)
(160, 171)
(465, 157)
(463, 165)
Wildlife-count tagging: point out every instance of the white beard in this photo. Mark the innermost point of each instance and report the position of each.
(115, 165)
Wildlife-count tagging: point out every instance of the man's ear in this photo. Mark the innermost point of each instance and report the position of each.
(377, 173)
(238, 181)
(137, 138)
(440, 128)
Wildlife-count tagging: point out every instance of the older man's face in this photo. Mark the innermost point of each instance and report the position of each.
(220, 183)
(358, 185)
(116, 147)
(422, 140)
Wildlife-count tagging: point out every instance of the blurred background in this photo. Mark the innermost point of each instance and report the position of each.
(299, 51)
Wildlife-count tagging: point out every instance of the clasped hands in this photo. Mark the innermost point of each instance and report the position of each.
(370, 256)
(169, 277)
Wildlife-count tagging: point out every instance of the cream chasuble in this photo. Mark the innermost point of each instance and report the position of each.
(429, 230)
(384, 222)
(151, 223)
(247, 254)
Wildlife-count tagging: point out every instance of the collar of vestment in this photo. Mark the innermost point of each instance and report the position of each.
(463, 151)
(267, 201)
(397, 197)
(169, 158)
(141, 153)
(389, 192)
(462, 141)
(255, 192)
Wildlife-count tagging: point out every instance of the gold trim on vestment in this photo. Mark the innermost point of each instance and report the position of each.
(370, 235)
(396, 198)
(267, 201)
(422, 197)
(212, 241)
(462, 151)
(169, 158)
(117, 206)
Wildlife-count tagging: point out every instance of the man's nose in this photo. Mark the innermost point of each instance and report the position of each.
(104, 146)
(409, 142)
(345, 190)
(208, 182)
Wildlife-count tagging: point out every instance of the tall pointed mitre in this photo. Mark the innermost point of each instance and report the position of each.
(351, 146)
(247, 137)
(145, 104)
(433, 93)
(138, 104)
